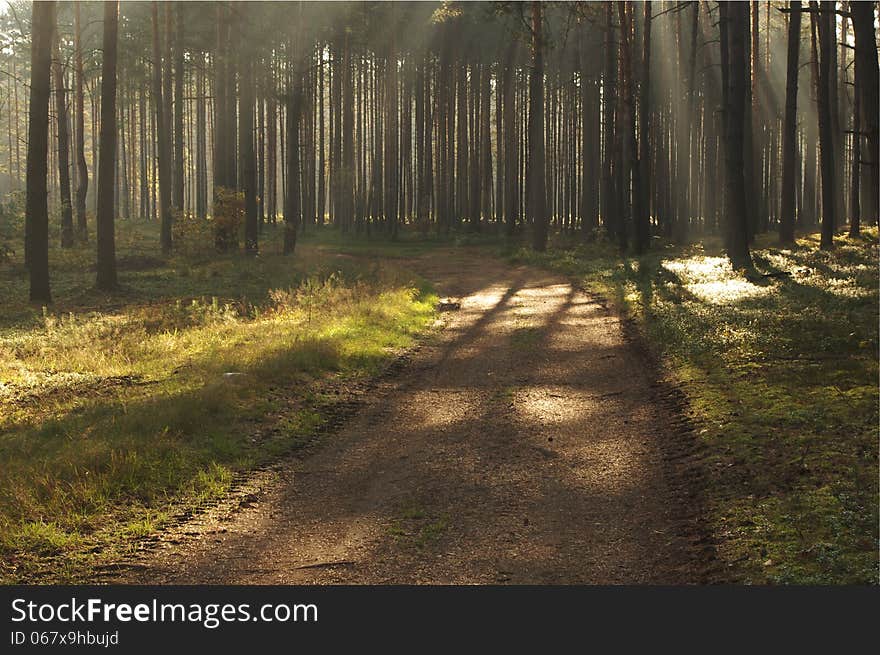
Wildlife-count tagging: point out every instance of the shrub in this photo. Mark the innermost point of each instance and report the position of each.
(191, 235)
(228, 218)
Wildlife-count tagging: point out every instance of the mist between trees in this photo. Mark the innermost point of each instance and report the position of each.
(629, 121)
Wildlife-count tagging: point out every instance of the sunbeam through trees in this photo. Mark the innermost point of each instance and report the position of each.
(637, 241)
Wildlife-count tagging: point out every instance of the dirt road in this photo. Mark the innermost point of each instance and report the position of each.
(523, 443)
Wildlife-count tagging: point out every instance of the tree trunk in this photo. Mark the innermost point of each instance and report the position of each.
(535, 172)
(322, 163)
(161, 137)
(347, 172)
(231, 124)
(869, 98)
(106, 262)
(825, 19)
(641, 215)
(450, 193)
(789, 132)
(589, 153)
(36, 210)
(201, 144)
(272, 149)
(292, 202)
(221, 153)
(391, 139)
(510, 158)
(248, 158)
(609, 209)
(421, 205)
(462, 207)
(855, 214)
(261, 154)
(631, 178)
(63, 148)
(142, 147)
(752, 193)
(122, 158)
(167, 45)
(427, 196)
(486, 144)
(82, 171)
(737, 76)
(177, 186)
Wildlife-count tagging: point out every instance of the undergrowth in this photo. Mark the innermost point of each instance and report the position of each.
(117, 408)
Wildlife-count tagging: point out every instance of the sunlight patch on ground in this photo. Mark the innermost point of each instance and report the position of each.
(555, 294)
(713, 280)
(831, 276)
(434, 408)
(847, 288)
(485, 298)
(549, 291)
(552, 405)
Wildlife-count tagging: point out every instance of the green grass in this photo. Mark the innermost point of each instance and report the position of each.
(526, 337)
(414, 527)
(115, 409)
(781, 375)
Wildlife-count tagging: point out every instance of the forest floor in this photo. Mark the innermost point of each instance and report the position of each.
(779, 373)
(311, 419)
(525, 442)
(122, 412)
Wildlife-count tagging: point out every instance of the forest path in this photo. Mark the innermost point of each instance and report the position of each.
(522, 444)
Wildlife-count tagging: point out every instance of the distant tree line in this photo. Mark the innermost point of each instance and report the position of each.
(637, 120)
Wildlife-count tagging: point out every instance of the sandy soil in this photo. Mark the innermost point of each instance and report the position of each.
(527, 441)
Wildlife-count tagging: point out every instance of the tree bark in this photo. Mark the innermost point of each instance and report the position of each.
(789, 132)
(82, 171)
(825, 19)
(142, 147)
(105, 219)
(631, 178)
(535, 173)
(347, 172)
(486, 144)
(221, 150)
(391, 138)
(609, 209)
(855, 212)
(511, 169)
(869, 97)
(248, 158)
(292, 201)
(752, 193)
(462, 192)
(322, 163)
(641, 215)
(36, 209)
(272, 149)
(737, 75)
(63, 148)
(201, 144)
(178, 183)
(161, 137)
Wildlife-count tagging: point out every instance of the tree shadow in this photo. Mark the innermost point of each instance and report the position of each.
(550, 474)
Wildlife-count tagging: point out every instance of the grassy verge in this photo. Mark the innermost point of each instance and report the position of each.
(781, 374)
(117, 410)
